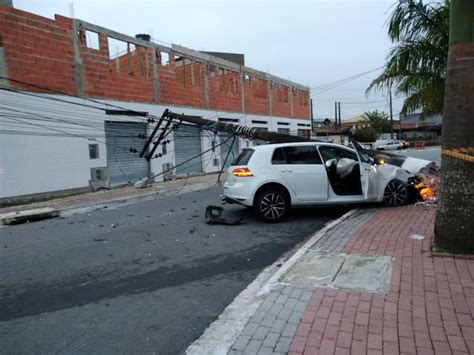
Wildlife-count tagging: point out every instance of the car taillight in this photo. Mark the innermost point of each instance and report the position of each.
(242, 172)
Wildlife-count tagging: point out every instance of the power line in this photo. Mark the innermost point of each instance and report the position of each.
(325, 87)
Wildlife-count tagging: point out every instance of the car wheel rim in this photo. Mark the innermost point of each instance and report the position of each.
(272, 206)
(395, 194)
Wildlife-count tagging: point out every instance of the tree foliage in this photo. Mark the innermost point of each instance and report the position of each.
(365, 134)
(378, 121)
(416, 65)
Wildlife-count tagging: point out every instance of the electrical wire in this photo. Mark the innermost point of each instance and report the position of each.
(58, 120)
(329, 86)
(182, 163)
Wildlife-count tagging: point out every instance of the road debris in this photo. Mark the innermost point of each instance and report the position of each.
(417, 237)
(427, 182)
(214, 216)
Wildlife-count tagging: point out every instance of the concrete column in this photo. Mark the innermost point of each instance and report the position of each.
(270, 102)
(156, 83)
(206, 85)
(242, 90)
(290, 98)
(3, 69)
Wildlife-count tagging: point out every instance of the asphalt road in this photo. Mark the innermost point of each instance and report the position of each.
(148, 277)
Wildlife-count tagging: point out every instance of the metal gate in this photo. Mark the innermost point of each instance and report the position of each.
(123, 166)
(187, 144)
(226, 148)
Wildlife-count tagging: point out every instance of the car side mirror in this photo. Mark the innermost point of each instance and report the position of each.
(329, 163)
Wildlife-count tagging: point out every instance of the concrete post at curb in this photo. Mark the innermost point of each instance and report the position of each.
(28, 215)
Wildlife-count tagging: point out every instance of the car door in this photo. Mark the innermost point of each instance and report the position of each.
(369, 176)
(349, 184)
(302, 169)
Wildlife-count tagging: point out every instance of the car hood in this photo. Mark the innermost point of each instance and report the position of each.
(412, 165)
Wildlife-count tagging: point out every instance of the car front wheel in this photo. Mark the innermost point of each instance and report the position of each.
(396, 193)
(271, 205)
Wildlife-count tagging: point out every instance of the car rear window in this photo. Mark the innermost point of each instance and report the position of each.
(243, 157)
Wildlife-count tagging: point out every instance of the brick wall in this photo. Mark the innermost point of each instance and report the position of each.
(176, 83)
(225, 89)
(37, 50)
(40, 51)
(281, 105)
(301, 104)
(256, 96)
(110, 78)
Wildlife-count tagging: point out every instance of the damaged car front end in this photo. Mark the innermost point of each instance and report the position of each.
(423, 177)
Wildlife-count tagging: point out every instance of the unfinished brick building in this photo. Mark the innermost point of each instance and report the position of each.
(68, 87)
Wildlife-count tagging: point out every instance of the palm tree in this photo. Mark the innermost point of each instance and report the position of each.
(454, 225)
(377, 120)
(416, 65)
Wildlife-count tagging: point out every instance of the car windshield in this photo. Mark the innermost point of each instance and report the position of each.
(361, 151)
(243, 157)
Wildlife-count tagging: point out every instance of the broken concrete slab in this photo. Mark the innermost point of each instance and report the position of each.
(365, 273)
(353, 272)
(28, 215)
(315, 268)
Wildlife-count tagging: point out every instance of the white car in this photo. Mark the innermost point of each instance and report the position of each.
(390, 145)
(272, 178)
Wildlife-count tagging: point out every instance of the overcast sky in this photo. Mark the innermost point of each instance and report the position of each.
(310, 42)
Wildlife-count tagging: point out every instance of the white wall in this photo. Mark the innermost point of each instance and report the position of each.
(44, 143)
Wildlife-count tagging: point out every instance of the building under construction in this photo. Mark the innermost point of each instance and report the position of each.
(78, 101)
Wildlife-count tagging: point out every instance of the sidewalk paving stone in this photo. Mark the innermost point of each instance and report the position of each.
(427, 306)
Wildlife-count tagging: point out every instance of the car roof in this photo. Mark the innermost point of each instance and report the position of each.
(293, 144)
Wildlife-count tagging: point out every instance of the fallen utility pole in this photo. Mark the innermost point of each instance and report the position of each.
(237, 130)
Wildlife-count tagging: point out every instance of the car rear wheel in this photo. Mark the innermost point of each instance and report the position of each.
(271, 205)
(396, 193)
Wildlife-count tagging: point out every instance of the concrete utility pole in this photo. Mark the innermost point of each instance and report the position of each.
(339, 114)
(335, 114)
(242, 131)
(454, 225)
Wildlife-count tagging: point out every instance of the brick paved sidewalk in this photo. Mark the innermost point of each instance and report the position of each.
(428, 307)
(122, 193)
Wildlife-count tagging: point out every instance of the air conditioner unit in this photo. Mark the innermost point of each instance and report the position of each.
(99, 178)
(168, 175)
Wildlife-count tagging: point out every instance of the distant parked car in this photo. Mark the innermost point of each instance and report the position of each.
(367, 145)
(405, 144)
(390, 145)
(271, 178)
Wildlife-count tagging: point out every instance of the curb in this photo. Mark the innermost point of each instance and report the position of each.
(222, 333)
(11, 218)
(129, 200)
